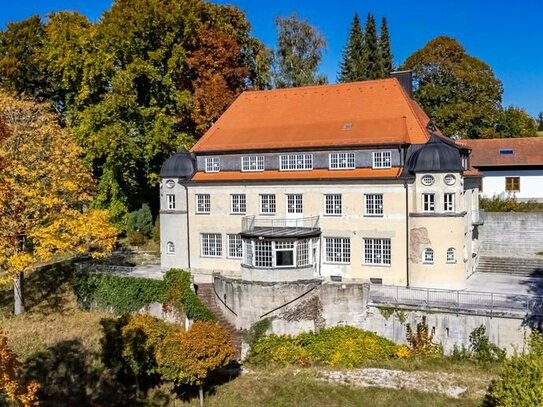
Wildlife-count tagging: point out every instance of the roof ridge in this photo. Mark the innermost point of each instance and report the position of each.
(326, 85)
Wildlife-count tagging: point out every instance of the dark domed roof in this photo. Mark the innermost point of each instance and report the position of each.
(435, 156)
(180, 165)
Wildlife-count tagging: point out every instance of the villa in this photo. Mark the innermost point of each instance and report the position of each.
(343, 182)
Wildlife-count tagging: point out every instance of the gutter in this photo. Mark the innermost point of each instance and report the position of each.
(406, 232)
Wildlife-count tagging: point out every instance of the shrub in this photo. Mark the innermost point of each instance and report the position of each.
(136, 238)
(140, 221)
(155, 233)
(480, 348)
(496, 204)
(421, 341)
(521, 381)
(257, 331)
(344, 346)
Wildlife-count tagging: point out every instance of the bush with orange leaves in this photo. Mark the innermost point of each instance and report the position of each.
(10, 384)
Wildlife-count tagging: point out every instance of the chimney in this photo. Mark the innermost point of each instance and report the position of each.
(406, 80)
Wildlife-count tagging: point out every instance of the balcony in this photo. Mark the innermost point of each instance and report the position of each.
(252, 226)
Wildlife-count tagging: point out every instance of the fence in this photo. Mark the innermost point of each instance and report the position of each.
(106, 268)
(478, 303)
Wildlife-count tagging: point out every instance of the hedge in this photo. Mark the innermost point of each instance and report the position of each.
(344, 346)
(125, 294)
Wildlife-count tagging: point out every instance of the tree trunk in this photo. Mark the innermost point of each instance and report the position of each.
(201, 394)
(18, 294)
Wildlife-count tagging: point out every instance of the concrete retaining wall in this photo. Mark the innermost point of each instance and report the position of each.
(313, 305)
(514, 234)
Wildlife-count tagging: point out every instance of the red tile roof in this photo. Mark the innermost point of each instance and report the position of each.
(486, 152)
(350, 114)
(359, 173)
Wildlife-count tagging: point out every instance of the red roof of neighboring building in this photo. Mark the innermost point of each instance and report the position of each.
(486, 152)
(349, 114)
(358, 173)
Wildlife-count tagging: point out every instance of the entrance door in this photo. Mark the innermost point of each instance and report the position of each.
(294, 210)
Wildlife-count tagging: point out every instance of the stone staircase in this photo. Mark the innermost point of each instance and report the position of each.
(531, 267)
(207, 295)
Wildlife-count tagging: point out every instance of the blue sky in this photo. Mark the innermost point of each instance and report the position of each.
(507, 35)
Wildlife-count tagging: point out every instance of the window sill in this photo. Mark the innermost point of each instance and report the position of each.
(334, 215)
(238, 213)
(211, 257)
(369, 215)
(202, 213)
(377, 265)
(336, 263)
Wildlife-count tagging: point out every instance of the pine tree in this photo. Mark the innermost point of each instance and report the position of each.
(352, 67)
(384, 47)
(371, 50)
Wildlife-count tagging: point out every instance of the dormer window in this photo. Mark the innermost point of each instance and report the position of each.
(506, 151)
(213, 164)
(252, 163)
(341, 161)
(292, 162)
(382, 159)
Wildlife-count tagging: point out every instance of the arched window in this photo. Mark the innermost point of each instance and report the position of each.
(170, 248)
(428, 256)
(451, 255)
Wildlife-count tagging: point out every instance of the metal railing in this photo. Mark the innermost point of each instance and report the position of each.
(479, 303)
(249, 223)
(106, 268)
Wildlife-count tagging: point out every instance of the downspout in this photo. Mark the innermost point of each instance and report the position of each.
(188, 224)
(406, 232)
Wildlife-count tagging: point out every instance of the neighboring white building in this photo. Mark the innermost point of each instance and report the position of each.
(348, 181)
(512, 167)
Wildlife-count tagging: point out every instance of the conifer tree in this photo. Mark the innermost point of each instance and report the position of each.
(352, 67)
(371, 50)
(540, 121)
(384, 47)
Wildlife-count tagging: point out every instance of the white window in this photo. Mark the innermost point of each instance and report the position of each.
(449, 179)
(263, 253)
(448, 202)
(338, 250)
(249, 253)
(239, 203)
(293, 162)
(203, 203)
(428, 202)
(211, 245)
(213, 164)
(451, 255)
(284, 254)
(170, 199)
(332, 204)
(341, 161)
(302, 252)
(294, 203)
(267, 203)
(382, 159)
(377, 251)
(252, 163)
(235, 247)
(373, 204)
(170, 248)
(428, 256)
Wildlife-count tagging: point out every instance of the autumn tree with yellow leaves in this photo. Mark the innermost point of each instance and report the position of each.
(10, 384)
(45, 192)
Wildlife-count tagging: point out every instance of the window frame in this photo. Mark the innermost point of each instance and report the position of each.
(341, 243)
(242, 204)
(169, 246)
(449, 202)
(333, 204)
(289, 162)
(247, 163)
(451, 250)
(335, 160)
(380, 248)
(272, 202)
(511, 183)
(377, 212)
(206, 238)
(381, 159)
(297, 203)
(232, 245)
(430, 206)
(212, 164)
(206, 205)
(425, 259)
(170, 202)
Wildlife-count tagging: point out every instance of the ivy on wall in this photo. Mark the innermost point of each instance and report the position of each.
(125, 294)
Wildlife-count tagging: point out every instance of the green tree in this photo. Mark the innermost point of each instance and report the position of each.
(540, 121)
(372, 52)
(352, 66)
(140, 221)
(385, 49)
(459, 91)
(515, 122)
(21, 69)
(298, 54)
